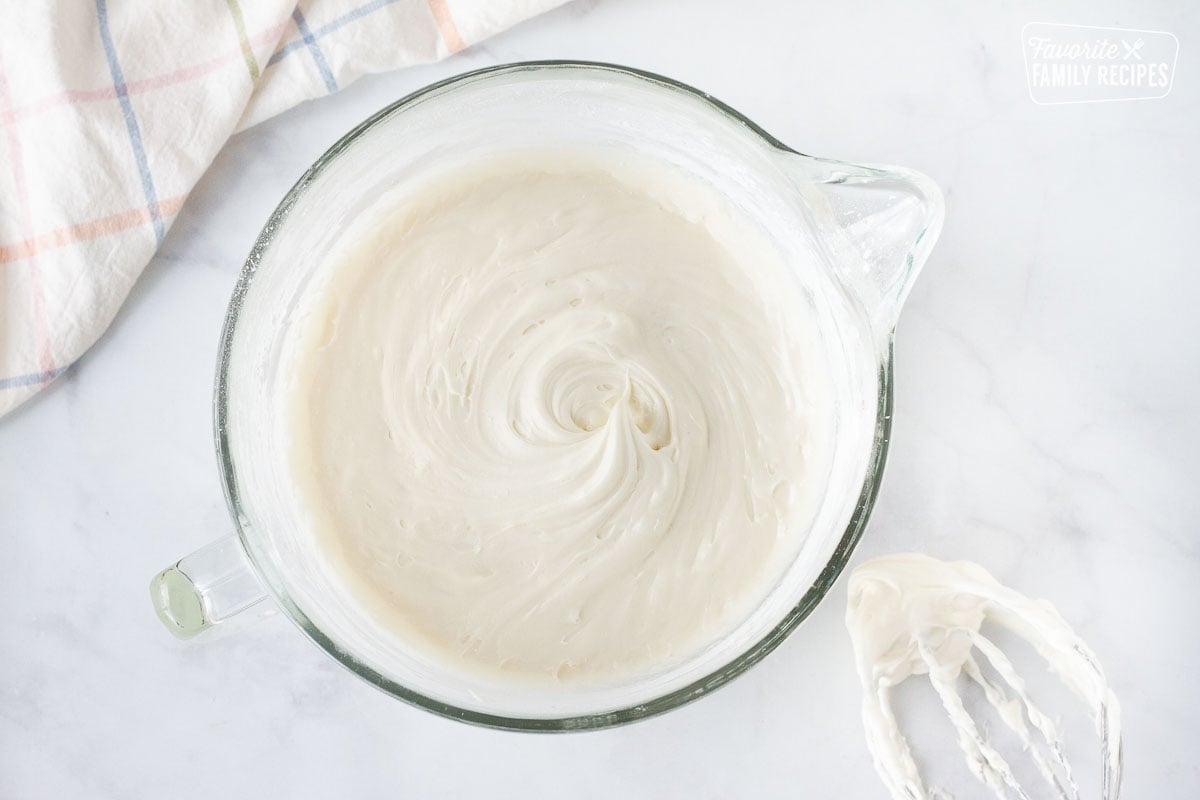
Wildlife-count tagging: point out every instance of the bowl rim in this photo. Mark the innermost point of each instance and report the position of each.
(263, 569)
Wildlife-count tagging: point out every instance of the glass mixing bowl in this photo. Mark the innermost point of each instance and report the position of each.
(855, 235)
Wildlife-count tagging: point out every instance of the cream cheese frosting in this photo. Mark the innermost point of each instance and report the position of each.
(909, 614)
(556, 418)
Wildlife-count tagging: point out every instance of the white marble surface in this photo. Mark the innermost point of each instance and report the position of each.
(1048, 365)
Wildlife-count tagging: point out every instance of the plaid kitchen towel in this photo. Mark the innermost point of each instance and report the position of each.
(111, 110)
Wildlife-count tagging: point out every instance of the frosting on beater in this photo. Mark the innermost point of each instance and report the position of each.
(560, 420)
(910, 614)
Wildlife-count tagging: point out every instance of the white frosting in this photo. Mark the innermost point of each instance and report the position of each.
(558, 421)
(909, 614)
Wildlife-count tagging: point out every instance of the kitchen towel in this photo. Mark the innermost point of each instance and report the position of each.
(111, 111)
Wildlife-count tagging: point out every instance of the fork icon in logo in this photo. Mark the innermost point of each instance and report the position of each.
(1132, 49)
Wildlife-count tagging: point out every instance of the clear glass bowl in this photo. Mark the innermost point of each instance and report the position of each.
(856, 236)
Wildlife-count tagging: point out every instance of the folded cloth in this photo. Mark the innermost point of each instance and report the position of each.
(111, 111)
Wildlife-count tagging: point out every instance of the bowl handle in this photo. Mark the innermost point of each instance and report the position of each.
(206, 590)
